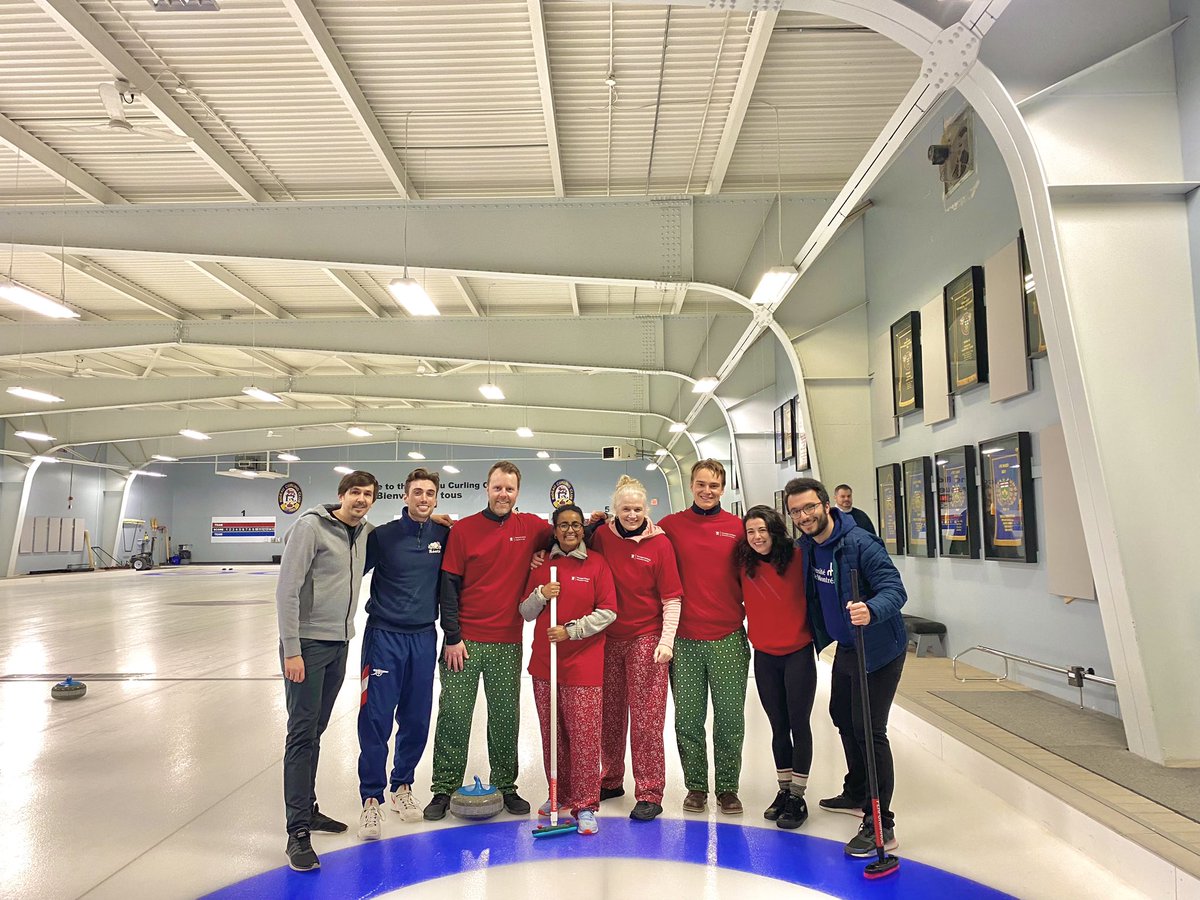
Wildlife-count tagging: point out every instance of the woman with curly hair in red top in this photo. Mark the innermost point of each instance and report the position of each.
(785, 668)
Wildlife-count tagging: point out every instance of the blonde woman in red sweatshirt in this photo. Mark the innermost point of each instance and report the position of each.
(638, 647)
(785, 668)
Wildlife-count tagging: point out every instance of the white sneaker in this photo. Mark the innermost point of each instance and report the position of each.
(370, 823)
(404, 803)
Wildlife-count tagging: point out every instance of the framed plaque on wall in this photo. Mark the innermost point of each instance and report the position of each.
(787, 423)
(907, 388)
(799, 438)
(890, 491)
(966, 331)
(1035, 337)
(919, 510)
(778, 433)
(1009, 520)
(958, 512)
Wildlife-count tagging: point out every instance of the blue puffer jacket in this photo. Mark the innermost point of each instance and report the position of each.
(879, 586)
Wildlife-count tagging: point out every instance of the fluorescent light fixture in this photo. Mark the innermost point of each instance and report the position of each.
(451, 469)
(260, 394)
(164, 458)
(491, 391)
(554, 467)
(650, 467)
(677, 427)
(415, 454)
(194, 435)
(46, 459)
(345, 470)
(661, 451)
(33, 436)
(706, 385)
(542, 454)
(409, 293)
(149, 474)
(525, 431)
(36, 301)
(358, 432)
(31, 394)
(287, 457)
(774, 285)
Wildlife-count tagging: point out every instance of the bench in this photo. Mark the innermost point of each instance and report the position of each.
(926, 634)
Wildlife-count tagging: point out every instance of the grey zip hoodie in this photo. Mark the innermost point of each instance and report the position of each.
(319, 577)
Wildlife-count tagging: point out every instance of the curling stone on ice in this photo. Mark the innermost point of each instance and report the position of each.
(476, 802)
(70, 690)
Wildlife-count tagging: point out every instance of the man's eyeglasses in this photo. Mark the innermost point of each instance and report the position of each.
(569, 526)
(809, 510)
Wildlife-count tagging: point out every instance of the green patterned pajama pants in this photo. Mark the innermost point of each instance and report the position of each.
(698, 669)
(500, 666)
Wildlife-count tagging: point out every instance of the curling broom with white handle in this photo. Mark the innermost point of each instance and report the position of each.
(554, 827)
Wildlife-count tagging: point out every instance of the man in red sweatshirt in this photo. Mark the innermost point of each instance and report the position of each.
(712, 655)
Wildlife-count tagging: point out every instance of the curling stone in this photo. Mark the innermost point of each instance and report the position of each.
(70, 690)
(476, 802)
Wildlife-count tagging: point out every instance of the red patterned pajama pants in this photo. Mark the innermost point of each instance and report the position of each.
(635, 704)
(578, 742)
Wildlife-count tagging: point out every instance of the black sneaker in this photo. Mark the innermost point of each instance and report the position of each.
(610, 793)
(843, 804)
(516, 804)
(644, 811)
(771, 813)
(322, 822)
(795, 811)
(301, 857)
(437, 807)
(863, 844)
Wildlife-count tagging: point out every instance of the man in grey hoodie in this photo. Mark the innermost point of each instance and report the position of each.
(324, 555)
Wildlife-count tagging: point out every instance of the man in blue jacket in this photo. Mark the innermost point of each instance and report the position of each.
(399, 652)
(833, 545)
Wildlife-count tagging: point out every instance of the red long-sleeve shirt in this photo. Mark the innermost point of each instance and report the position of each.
(776, 610)
(645, 573)
(704, 547)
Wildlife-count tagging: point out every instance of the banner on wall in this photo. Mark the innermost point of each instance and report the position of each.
(243, 529)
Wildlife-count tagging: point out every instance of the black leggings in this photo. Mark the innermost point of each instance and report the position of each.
(786, 686)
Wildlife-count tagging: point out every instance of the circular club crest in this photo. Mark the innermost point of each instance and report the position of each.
(290, 497)
(562, 493)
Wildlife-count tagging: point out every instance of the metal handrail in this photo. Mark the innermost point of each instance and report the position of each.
(1076, 675)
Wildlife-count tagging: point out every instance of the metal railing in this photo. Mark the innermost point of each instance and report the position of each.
(1076, 675)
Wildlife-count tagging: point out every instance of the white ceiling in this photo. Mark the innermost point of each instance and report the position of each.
(350, 101)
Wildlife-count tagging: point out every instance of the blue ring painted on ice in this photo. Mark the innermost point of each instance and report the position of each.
(375, 868)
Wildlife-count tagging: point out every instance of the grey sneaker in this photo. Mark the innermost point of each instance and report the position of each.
(404, 803)
(301, 857)
(863, 844)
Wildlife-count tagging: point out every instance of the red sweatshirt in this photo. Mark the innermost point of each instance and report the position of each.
(776, 611)
(587, 585)
(493, 559)
(704, 546)
(645, 573)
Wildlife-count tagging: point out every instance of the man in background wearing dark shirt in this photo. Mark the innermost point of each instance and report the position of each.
(843, 496)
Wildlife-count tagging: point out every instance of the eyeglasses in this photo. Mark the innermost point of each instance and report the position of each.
(569, 526)
(808, 510)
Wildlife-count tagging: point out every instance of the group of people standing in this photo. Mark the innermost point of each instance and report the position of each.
(643, 608)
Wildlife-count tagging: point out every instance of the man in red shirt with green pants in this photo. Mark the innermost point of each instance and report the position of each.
(484, 568)
(711, 651)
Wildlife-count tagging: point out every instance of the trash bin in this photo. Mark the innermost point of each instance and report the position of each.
(185, 554)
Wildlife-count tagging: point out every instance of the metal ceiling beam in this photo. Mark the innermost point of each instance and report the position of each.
(541, 56)
(239, 288)
(125, 288)
(55, 164)
(320, 41)
(76, 21)
(280, 368)
(346, 282)
(615, 343)
(468, 295)
(574, 289)
(638, 241)
(756, 51)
